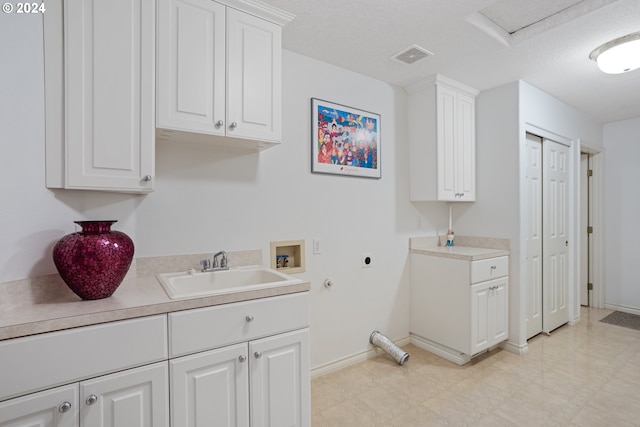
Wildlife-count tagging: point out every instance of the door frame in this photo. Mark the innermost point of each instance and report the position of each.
(597, 278)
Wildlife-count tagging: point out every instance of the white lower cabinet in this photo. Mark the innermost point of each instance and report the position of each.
(253, 370)
(133, 398)
(459, 307)
(239, 364)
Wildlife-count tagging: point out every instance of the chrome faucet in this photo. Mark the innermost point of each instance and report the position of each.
(223, 261)
(221, 265)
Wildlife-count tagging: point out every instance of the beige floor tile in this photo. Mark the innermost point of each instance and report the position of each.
(582, 375)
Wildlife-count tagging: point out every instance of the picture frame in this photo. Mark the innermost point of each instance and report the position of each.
(344, 140)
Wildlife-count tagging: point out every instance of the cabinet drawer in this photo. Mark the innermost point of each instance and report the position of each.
(42, 361)
(488, 269)
(211, 327)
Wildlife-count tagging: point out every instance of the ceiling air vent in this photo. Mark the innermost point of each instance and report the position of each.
(411, 54)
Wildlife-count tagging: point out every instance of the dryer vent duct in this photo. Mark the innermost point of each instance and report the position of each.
(398, 354)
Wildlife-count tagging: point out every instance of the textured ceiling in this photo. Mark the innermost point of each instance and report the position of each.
(551, 54)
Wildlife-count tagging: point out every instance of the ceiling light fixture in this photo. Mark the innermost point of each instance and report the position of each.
(618, 56)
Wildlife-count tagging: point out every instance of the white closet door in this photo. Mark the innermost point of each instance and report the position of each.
(555, 242)
(533, 239)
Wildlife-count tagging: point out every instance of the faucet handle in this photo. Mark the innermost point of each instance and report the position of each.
(206, 264)
(223, 262)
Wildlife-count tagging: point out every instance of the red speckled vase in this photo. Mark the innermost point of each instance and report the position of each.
(94, 261)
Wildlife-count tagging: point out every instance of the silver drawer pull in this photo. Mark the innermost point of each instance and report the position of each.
(493, 267)
(92, 399)
(257, 355)
(242, 358)
(248, 318)
(64, 407)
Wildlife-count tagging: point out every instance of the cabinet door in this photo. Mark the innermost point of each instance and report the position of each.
(489, 314)
(191, 66)
(280, 380)
(109, 51)
(446, 142)
(499, 328)
(211, 388)
(133, 398)
(254, 71)
(465, 149)
(481, 307)
(57, 407)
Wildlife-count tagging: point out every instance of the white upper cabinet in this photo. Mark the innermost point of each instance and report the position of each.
(219, 72)
(191, 82)
(442, 140)
(103, 137)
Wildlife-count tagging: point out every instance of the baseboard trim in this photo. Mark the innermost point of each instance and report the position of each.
(515, 348)
(440, 350)
(624, 309)
(356, 358)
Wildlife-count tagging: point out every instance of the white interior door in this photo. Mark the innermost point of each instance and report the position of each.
(555, 241)
(533, 257)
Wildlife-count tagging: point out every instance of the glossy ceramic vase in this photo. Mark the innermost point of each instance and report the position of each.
(94, 261)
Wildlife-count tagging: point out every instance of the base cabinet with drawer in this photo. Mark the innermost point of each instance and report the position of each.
(253, 371)
(237, 364)
(97, 376)
(459, 308)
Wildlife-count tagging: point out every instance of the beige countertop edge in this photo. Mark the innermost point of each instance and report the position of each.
(135, 298)
(438, 252)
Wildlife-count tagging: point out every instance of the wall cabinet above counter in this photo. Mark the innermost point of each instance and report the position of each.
(442, 141)
(122, 74)
(219, 73)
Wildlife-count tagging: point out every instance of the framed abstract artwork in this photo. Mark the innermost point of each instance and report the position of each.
(345, 140)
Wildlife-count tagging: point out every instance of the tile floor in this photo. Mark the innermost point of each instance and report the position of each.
(582, 375)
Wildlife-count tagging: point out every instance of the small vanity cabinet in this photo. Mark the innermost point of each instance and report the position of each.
(459, 301)
(442, 141)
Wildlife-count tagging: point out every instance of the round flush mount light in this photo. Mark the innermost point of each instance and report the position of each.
(618, 56)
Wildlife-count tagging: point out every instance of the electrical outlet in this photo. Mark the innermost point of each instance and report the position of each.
(317, 246)
(367, 260)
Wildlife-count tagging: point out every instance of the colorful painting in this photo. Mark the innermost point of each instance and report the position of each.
(345, 140)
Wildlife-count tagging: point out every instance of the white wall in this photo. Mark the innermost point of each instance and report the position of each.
(209, 199)
(622, 210)
(504, 114)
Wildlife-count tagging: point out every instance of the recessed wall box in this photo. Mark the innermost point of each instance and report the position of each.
(288, 256)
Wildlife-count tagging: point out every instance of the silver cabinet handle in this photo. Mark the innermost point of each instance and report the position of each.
(146, 178)
(233, 125)
(92, 399)
(64, 407)
(219, 124)
(249, 318)
(257, 355)
(242, 358)
(493, 267)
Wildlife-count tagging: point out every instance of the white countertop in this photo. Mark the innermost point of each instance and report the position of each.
(428, 246)
(58, 308)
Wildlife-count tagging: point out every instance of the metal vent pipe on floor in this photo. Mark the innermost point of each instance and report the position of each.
(398, 354)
